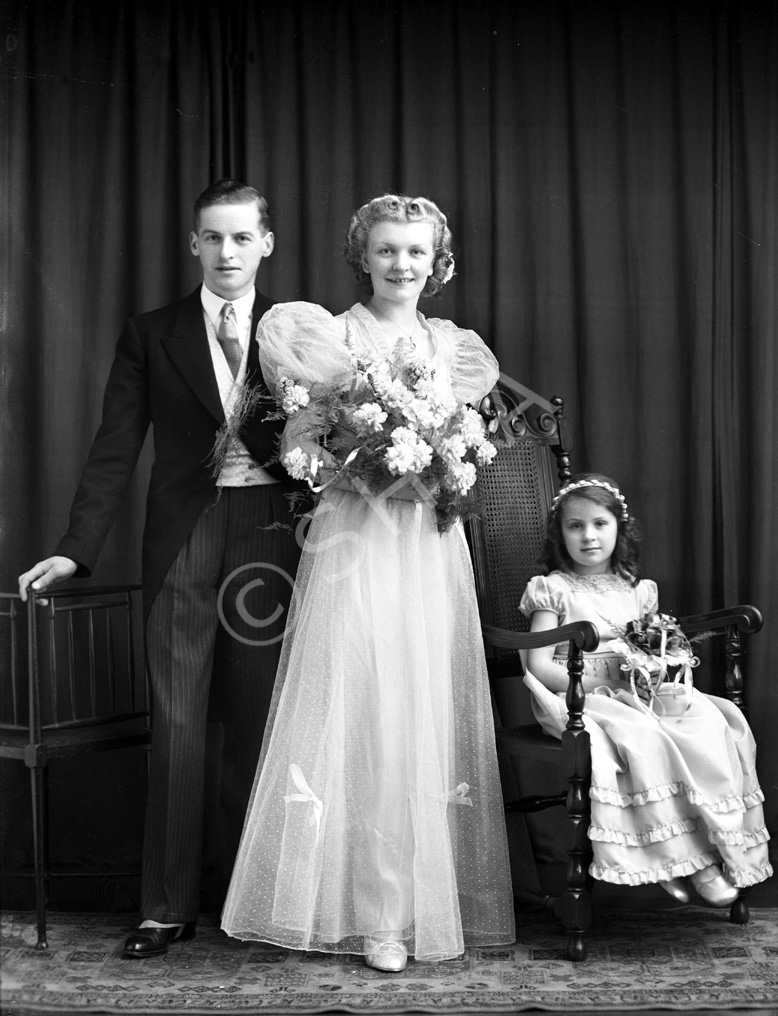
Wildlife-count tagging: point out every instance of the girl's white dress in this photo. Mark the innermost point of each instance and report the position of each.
(377, 803)
(673, 792)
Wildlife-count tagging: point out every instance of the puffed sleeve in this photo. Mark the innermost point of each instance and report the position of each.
(305, 343)
(648, 595)
(474, 368)
(544, 592)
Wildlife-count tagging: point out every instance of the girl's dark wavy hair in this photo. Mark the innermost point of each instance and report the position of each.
(399, 208)
(626, 552)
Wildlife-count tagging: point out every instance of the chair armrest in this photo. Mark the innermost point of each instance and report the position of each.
(747, 619)
(583, 638)
(741, 618)
(583, 633)
(61, 592)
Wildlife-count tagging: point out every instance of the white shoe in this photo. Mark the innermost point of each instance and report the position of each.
(712, 887)
(677, 888)
(388, 954)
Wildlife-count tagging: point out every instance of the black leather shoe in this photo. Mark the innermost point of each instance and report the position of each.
(155, 941)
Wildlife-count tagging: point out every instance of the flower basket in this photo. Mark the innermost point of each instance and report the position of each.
(659, 659)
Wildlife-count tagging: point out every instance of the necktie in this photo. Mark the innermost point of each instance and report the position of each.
(228, 336)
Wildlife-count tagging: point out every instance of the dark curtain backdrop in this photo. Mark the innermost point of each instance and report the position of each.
(609, 170)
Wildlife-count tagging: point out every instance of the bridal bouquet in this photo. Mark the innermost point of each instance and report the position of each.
(391, 429)
(656, 652)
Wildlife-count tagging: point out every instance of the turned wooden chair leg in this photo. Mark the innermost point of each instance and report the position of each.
(575, 906)
(738, 912)
(39, 784)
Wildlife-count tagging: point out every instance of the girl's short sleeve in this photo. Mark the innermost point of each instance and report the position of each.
(474, 368)
(649, 595)
(544, 593)
(305, 343)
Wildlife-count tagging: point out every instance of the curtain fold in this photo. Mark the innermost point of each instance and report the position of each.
(609, 174)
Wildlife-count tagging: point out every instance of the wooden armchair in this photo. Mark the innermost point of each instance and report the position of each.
(514, 494)
(73, 683)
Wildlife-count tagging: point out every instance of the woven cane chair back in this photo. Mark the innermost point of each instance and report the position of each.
(514, 493)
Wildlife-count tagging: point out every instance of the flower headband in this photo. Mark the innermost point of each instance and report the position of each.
(592, 483)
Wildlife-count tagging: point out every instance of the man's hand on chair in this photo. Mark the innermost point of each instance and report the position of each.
(46, 573)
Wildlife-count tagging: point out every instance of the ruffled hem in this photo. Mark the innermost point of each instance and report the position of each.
(743, 877)
(734, 802)
(754, 798)
(646, 876)
(662, 833)
(738, 838)
(656, 835)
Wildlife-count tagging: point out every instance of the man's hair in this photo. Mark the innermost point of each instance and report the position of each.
(232, 192)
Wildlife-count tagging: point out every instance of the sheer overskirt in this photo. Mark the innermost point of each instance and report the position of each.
(377, 805)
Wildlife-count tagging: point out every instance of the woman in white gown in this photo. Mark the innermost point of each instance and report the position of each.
(376, 822)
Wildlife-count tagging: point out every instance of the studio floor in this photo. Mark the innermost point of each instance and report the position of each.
(646, 953)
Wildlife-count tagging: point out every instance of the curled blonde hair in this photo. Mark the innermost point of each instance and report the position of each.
(400, 208)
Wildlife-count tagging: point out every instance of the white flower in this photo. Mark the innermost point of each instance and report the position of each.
(296, 463)
(449, 272)
(369, 417)
(293, 397)
(425, 388)
(472, 428)
(485, 453)
(421, 413)
(453, 449)
(429, 408)
(393, 393)
(409, 453)
(399, 459)
(462, 476)
(379, 375)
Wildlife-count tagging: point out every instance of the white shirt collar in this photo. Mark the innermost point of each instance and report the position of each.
(212, 305)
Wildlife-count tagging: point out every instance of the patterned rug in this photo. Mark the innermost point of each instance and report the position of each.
(686, 958)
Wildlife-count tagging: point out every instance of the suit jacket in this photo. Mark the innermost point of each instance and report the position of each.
(163, 375)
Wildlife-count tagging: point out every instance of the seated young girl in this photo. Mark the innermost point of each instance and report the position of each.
(674, 792)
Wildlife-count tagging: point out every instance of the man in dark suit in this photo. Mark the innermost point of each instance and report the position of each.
(218, 564)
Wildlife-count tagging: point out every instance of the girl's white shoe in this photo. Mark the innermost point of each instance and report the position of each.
(713, 888)
(387, 954)
(677, 888)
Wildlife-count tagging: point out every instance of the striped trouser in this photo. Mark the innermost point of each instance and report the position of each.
(219, 614)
